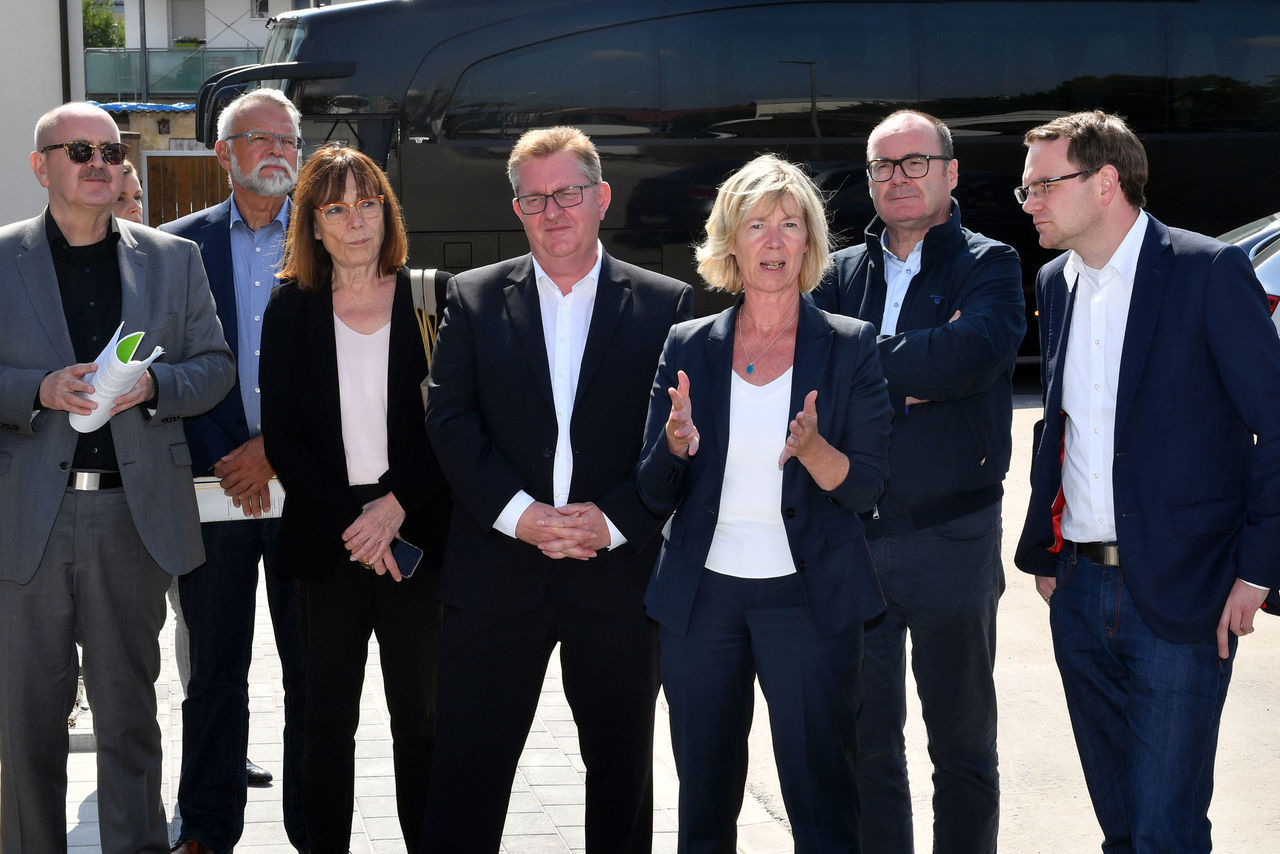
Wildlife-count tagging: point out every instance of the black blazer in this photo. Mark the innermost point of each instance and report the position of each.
(302, 429)
(835, 355)
(492, 420)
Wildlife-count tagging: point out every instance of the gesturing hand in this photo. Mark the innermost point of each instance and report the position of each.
(682, 433)
(804, 436)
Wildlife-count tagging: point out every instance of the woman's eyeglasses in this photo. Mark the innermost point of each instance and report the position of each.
(337, 213)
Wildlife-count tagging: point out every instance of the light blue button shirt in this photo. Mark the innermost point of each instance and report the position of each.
(255, 259)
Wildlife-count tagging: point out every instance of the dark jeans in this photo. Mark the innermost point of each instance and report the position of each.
(219, 604)
(741, 628)
(1144, 711)
(339, 613)
(941, 584)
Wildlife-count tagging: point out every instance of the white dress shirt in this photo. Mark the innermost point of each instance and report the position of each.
(897, 278)
(1091, 375)
(566, 319)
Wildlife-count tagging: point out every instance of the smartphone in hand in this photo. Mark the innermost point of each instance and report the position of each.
(407, 556)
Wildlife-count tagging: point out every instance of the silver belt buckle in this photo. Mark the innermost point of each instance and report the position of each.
(1111, 554)
(86, 480)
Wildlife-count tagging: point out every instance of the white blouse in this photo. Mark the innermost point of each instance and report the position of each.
(362, 390)
(750, 540)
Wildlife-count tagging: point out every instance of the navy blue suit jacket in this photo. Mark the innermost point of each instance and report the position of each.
(1197, 500)
(223, 428)
(835, 355)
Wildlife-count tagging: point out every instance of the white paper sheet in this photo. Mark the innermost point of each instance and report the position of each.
(216, 506)
(116, 374)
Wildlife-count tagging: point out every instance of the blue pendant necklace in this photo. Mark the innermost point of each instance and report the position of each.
(751, 363)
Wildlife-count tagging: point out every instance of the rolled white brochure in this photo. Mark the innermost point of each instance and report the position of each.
(117, 372)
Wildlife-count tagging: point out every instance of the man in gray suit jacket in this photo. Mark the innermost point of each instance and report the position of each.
(92, 525)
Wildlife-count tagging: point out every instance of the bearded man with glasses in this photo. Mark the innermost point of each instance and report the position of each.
(949, 309)
(538, 394)
(93, 525)
(241, 241)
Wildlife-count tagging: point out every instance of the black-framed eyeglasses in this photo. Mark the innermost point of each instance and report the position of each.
(113, 153)
(566, 197)
(337, 213)
(265, 137)
(912, 166)
(1040, 189)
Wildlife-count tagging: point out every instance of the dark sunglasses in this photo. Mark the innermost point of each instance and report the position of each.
(113, 153)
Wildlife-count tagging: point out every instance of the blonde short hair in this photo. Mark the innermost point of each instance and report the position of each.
(762, 184)
(545, 142)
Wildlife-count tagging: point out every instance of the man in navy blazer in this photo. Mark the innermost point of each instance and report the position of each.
(538, 391)
(241, 241)
(1154, 518)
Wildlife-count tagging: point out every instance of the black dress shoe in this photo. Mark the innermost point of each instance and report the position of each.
(257, 776)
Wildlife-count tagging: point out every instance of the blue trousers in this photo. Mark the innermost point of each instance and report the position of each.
(740, 629)
(941, 584)
(1144, 711)
(219, 602)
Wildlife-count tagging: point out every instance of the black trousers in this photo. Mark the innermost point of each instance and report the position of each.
(491, 672)
(339, 613)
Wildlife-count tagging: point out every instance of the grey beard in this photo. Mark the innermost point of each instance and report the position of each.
(272, 186)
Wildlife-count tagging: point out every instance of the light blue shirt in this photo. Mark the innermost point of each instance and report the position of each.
(255, 259)
(897, 279)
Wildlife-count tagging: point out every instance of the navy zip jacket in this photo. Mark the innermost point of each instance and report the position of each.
(949, 456)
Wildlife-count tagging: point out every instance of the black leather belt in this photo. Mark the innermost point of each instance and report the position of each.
(91, 480)
(1103, 554)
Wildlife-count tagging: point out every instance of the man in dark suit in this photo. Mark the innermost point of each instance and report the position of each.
(1155, 504)
(948, 305)
(241, 241)
(537, 399)
(92, 525)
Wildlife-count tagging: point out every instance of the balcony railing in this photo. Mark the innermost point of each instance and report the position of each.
(113, 74)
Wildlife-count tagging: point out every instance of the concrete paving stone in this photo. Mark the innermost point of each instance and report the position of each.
(388, 846)
(543, 757)
(374, 748)
(377, 807)
(562, 775)
(519, 783)
(566, 815)
(560, 794)
(527, 823)
(549, 844)
(665, 843)
(764, 838)
(372, 786)
(523, 802)
(576, 837)
(383, 827)
(375, 766)
(540, 738)
(560, 728)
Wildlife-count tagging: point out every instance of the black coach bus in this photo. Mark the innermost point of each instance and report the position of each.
(678, 93)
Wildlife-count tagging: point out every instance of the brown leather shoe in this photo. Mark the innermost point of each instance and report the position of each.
(190, 846)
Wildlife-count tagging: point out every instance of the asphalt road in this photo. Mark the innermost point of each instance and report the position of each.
(1044, 806)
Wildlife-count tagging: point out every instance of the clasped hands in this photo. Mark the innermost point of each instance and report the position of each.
(369, 537)
(63, 390)
(574, 530)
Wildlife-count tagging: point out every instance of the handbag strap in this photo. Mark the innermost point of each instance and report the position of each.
(422, 284)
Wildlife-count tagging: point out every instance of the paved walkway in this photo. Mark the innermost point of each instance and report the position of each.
(546, 813)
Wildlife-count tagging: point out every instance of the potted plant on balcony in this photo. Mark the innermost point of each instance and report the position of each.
(187, 42)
